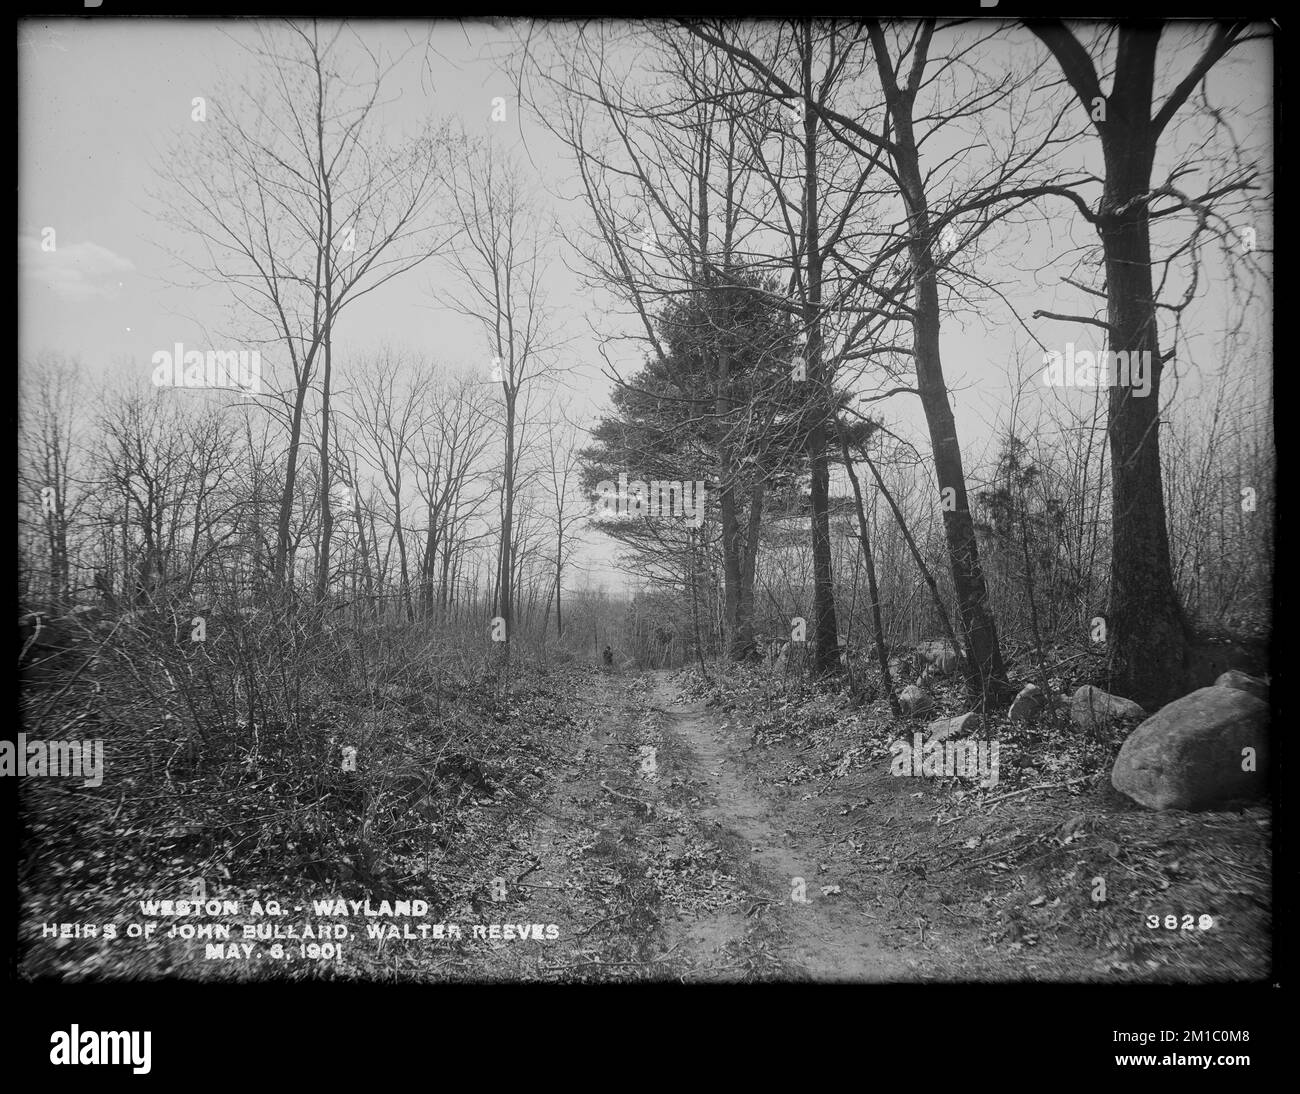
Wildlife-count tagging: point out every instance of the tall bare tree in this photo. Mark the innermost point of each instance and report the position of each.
(1148, 633)
(499, 257)
(451, 446)
(299, 208)
(48, 470)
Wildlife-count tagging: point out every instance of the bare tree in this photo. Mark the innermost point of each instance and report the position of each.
(1148, 633)
(453, 438)
(388, 409)
(299, 209)
(671, 177)
(886, 134)
(559, 482)
(500, 259)
(48, 470)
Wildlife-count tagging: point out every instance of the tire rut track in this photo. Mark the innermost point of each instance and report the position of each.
(826, 938)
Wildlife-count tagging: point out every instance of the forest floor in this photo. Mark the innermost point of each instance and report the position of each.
(754, 831)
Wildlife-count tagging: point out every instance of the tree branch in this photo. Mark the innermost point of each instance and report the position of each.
(1073, 319)
(1226, 35)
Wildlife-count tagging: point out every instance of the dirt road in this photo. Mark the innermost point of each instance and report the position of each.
(672, 847)
(816, 929)
(663, 855)
(759, 836)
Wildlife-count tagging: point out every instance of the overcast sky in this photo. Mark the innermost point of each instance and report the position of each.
(101, 100)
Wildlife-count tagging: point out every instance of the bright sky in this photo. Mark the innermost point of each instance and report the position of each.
(100, 100)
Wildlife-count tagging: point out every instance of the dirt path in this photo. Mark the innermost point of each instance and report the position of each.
(819, 931)
(759, 836)
(661, 854)
(674, 847)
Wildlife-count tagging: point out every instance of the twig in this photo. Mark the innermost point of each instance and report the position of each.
(1001, 852)
(607, 919)
(647, 806)
(1040, 786)
(1127, 867)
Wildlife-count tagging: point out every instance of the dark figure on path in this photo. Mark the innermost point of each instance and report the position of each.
(608, 657)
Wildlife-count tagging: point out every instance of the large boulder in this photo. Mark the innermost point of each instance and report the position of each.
(1235, 678)
(915, 701)
(1090, 707)
(1189, 754)
(944, 728)
(1028, 705)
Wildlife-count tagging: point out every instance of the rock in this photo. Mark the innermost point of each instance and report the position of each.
(1235, 678)
(944, 728)
(914, 701)
(938, 656)
(1090, 706)
(1028, 705)
(1188, 755)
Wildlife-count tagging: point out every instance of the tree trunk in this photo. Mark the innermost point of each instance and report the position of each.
(1147, 633)
(326, 509)
(882, 654)
(280, 569)
(559, 572)
(985, 674)
(695, 606)
(504, 592)
(1149, 637)
(827, 658)
(727, 507)
(749, 565)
